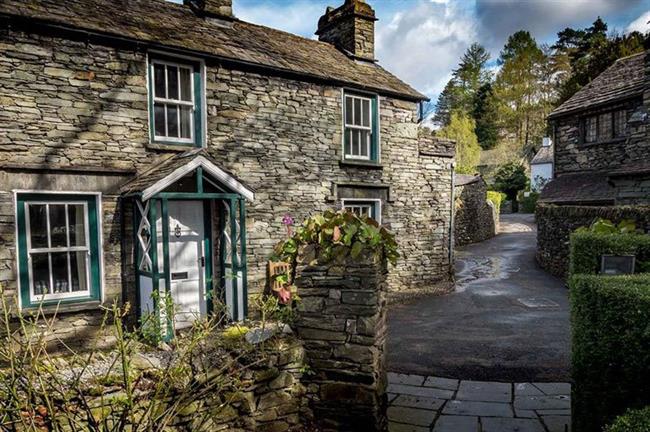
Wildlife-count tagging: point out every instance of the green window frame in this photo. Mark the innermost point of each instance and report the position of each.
(175, 95)
(59, 253)
(360, 127)
(363, 207)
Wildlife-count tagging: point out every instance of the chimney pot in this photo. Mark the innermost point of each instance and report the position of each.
(211, 8)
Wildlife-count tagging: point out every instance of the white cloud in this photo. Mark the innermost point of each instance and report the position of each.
(422, 44)
(641, 24)
(298, 17)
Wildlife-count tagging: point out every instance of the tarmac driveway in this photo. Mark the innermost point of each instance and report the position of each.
(508, 320)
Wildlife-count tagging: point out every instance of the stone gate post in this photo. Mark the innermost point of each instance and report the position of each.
(342, 321)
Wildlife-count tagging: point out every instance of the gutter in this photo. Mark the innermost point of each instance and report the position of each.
(30, 25)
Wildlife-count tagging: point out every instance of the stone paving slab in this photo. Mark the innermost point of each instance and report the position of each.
(435, 404)
(484, 391)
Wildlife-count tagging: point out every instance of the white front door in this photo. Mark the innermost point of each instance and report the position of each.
(187, 261)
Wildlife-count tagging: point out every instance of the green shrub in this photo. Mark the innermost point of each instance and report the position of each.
(632, 421)
(587, 247)
(611, 347)
(496, 198)
(528, 203)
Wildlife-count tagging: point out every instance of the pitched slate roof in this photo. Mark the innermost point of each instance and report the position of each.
(465, 179)
(586, 188)
(623, 79)
(169, 166)
(543, 155)
(163, 24)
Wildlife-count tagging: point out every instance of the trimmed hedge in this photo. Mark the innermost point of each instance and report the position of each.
(632, 421)
(611, 347)
(587, 248)
(496, 198)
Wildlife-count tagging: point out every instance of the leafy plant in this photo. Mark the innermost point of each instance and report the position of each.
(605, 226)
(337, 234)
(496, 198)
(510, 179)
(632, 421)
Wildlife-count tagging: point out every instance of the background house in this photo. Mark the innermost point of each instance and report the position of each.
(541, 166)
(153, 147)
(601, 158)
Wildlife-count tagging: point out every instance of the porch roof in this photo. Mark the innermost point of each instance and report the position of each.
(163, 174)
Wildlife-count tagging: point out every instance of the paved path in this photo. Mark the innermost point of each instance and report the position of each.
(422, 404)
(507, 321)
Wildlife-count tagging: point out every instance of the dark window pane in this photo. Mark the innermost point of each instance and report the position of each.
(604, 126)
(348, 141)
(76, 225)
(365, 140)
(78, 271)
(159, 80)
(159, 119)
(590, 129)
(38, 225)
(172, 121)
(348, 110)
(60, 272)
(40, 273)
(186, 122)
(355, 142)
(57, 226)
(186, 85)
(620, 120)
(357, 111)
(366, 113)
(172, 82)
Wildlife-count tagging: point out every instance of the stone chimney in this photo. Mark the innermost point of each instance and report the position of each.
(211, 8)
(350, 28)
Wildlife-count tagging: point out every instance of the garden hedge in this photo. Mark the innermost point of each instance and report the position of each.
(611, 347)
(632, 421)
(496, 198)
(587, 248)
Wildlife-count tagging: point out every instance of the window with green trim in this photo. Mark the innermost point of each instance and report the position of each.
(58, 248)
(364, 208)
(361, 137)
(175, 97)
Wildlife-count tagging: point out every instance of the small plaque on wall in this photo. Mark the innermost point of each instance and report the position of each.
(617, 264)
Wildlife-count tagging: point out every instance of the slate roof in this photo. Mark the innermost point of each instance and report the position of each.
(465, 179)
(631, 169)
(161, 168)
(623, 79)
(163, 24)
(585, 188)
(543, 155)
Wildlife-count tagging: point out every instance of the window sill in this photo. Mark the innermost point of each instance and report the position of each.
(51, 309)
(171, 147)
(597, 143)
(360, 164)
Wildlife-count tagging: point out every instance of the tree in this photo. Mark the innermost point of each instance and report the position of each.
(486, 116)
(590, 51)
(518, 90)
(461, 129)
(510, 179)
(461, 90)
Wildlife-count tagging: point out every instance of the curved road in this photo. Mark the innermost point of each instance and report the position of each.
(508, 320)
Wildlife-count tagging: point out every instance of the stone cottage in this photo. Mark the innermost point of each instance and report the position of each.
(601, 157)
(149, 147)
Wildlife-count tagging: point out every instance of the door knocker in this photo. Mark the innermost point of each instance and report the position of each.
(177, 230)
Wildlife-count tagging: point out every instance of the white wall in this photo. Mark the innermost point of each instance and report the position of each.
(544, 171)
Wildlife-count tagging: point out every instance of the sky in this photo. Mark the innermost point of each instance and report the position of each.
(421, 41)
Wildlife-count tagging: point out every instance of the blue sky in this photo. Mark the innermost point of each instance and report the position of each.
(422, 40)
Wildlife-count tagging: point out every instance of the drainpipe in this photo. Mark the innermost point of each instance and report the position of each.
(451, 218)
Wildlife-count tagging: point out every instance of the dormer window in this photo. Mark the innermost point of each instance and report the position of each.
(360, 141)
(175, 97)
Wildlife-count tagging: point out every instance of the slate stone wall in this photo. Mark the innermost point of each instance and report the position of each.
(342, 321)
(571, 155)
(556, 223)
(476, 218)
(74, 115)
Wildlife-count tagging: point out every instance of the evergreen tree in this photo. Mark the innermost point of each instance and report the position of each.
(486, 116)
(446, 104)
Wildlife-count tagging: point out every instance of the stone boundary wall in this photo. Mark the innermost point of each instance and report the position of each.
(476, 218)
(342, 321)
(556, 223)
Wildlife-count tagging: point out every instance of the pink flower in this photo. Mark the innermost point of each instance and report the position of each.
(287, 220)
